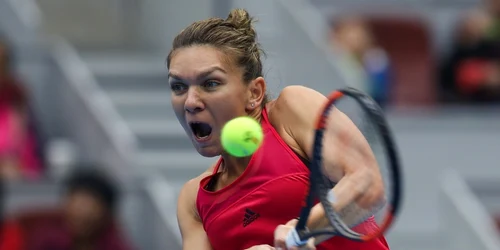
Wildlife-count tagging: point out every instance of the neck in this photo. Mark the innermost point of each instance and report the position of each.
(234, 166)
(256, 114)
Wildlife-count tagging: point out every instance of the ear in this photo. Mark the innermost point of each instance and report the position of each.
(256, 93)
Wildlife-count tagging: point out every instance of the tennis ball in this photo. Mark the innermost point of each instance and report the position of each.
(241, 136)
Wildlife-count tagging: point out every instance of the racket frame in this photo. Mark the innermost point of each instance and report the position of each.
(319, 186)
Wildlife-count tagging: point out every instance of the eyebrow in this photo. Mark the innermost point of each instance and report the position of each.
(202, 74)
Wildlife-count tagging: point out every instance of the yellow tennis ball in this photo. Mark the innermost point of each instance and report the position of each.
(241, 136)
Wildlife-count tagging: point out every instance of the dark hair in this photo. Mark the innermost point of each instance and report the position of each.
(94, 182)
(235, 36)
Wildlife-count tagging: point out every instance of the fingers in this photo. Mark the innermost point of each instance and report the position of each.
(282, 233)
(292, 223)
(310, 244)
(261, 247)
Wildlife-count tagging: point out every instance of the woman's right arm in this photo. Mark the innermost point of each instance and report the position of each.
(193, 234)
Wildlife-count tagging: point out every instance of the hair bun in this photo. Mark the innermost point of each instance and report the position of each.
(242, 21)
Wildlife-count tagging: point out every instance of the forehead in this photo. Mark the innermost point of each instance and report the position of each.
(194, 60)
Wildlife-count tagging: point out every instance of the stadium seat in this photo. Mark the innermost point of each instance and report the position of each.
(408, 42)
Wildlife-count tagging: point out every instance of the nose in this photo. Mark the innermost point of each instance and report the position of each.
(193, 102)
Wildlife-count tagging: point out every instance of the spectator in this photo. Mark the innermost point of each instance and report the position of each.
(10, 231)
(85, 221)
(493, 29)
(353, 38)
(471, 73)
(18, 158)
(11, 236)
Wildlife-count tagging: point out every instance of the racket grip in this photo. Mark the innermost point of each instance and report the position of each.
(293, 239)
(331, 196)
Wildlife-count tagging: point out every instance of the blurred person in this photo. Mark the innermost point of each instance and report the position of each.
(493, 29)
(354, 43)
(18, 157)
(11, 236)
(471, 72)
(86, 220)
(497, 221)
(215, 75)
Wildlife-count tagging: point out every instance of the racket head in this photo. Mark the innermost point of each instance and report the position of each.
(374, 127)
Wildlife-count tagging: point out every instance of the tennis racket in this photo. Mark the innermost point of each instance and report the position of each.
(368, 117)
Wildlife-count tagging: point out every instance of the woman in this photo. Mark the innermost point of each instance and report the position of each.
(353, 41)
(471, 72)
(215, 74)
(11, 235)
(18, 157)
(86, 219)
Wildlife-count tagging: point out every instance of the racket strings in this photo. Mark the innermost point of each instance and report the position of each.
(356, 220)
(353, 215)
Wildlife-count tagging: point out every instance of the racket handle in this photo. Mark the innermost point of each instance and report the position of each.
(293, 239)
(331, 197)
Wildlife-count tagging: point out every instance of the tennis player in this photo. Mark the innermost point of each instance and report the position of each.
(215, 75)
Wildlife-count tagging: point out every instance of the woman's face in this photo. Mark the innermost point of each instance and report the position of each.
(355, 36)
(207, 91)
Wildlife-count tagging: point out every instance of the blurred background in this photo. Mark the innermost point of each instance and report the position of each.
(88, 136)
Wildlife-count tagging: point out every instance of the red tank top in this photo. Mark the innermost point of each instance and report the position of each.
(268, 193)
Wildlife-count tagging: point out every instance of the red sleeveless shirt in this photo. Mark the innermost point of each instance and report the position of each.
(268, 193)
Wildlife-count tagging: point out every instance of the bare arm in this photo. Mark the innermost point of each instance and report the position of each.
(193, 234)
(349, 161)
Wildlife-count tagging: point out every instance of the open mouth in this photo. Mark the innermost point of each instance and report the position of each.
(200, 129)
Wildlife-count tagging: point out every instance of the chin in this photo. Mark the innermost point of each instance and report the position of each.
(208, 151)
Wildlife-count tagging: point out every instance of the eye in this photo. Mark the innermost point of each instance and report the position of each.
(211, 84)
(178, 87)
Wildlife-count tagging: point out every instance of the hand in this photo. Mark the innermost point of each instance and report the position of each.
(261, 247)
(281, 233)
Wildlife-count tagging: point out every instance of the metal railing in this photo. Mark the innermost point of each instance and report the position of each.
(113, 134)
(467, 224)
(97, 128)
(163, 215)
(90, 120)
(28, 12)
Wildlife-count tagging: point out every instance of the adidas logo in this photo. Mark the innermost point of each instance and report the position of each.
(250, 216)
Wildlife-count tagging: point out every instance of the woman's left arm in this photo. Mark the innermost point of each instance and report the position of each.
(348, 159)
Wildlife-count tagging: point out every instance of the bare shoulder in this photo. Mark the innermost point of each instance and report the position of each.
(189, 192)
(190, 188)
(295, 101)
(294, 91)
(293, 113)
(190, 223)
